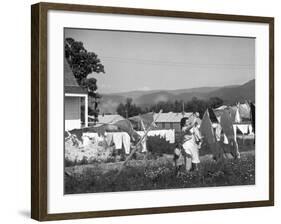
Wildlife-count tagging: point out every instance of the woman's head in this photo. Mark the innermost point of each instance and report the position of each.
(183, 122)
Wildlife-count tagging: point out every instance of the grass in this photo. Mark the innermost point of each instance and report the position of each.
(160, 174)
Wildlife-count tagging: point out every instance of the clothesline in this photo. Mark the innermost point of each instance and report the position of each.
(120, 139)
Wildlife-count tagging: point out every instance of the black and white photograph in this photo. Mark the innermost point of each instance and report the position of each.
(154, 111)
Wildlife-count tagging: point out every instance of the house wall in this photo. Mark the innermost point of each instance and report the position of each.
(72, 112)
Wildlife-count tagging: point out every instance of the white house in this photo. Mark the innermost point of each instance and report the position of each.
(170, 120)
(73, 97)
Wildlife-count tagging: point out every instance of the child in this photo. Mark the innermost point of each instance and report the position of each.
(178, 158)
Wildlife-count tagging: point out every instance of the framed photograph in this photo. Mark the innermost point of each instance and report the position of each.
(141, 111)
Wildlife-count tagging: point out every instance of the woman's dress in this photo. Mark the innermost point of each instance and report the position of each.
(190, 145)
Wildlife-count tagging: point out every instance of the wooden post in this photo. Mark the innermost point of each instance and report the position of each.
(86, 111)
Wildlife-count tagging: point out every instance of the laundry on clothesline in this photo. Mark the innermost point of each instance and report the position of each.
(169, 134)
(245, 129)
(119, 139)
(206, 129)
(126, 140)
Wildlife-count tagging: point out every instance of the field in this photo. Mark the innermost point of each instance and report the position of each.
(159, 173)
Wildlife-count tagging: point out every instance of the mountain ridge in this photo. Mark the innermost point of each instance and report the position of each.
(229, 94)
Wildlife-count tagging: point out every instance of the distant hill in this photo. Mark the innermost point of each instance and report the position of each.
(236, 94)
(229, 94)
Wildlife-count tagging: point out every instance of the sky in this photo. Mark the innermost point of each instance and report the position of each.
(156, 61)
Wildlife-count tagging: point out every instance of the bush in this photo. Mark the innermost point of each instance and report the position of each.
(159, 146)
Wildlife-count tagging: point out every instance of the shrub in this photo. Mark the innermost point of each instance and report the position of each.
(159, 146)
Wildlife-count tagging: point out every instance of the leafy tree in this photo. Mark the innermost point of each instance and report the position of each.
(129, 109)
(194, 105)
(83, 63)
(215, 102)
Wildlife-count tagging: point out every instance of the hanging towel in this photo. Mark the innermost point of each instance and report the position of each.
(244, 128)
(227, 124)
(153, 133)
(170, 136)
(117, 139)
(206, 129)
(245, 110)
(250, 129)
(212, 116)
(225, 139)
(162, 134)
(253, 116)
(218, 130)
(173, 138)
(237, 116)
(109, 139)
(126, 142)
(235, 131)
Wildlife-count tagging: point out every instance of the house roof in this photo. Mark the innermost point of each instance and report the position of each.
(171, 116)
(109, 118)
(70, 83)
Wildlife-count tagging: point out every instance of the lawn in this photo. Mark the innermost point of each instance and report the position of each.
(160, 174)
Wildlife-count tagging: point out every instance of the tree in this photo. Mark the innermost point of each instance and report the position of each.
(83, 63)
(128, 109)
(215, 102)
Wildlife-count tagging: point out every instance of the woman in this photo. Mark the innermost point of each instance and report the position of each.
(192, 142)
